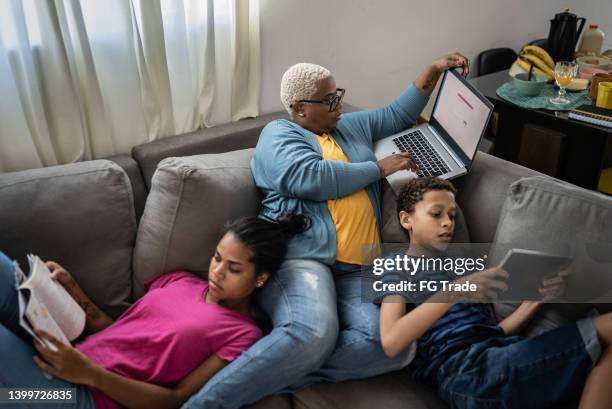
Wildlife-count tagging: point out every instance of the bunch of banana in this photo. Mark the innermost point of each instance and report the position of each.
(542, 63)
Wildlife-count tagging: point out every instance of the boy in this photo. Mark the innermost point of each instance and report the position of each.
(473, 361)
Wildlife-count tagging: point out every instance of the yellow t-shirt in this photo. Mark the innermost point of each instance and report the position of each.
(353, 215)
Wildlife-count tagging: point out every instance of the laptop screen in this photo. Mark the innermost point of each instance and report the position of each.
(461, 112)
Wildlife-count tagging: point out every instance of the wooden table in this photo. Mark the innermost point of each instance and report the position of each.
(587, 148)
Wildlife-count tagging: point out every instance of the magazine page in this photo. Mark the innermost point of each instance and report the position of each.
(66, 313)
(33, 313)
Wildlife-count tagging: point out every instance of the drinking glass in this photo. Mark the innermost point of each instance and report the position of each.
(565, 71)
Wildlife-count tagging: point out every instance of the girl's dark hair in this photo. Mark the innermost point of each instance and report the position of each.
(268, 240)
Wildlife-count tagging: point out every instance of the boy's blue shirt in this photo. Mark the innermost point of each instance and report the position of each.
(289, 169)
(463, 325)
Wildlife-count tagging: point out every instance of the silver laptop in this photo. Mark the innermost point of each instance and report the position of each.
(445, 147)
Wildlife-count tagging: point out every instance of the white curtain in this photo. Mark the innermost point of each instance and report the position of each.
(85, 79)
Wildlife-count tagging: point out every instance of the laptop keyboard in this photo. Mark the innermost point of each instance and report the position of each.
(429, 161)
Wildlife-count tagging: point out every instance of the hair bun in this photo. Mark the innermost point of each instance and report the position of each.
(294, 223)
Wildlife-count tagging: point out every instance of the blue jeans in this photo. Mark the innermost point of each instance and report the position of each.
(18, 370)
(511, 372)
(322, 332)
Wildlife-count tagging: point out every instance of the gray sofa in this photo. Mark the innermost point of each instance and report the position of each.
(108, 222)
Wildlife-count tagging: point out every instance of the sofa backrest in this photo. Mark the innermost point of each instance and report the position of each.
(139, 190)
(242, 134)
(80, 215)
(222, 138)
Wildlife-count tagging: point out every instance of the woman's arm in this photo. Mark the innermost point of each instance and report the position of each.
(398, 330)
(427, 80)
(515, 322)
(95, 319)
(70, 364)
(404, 110)
(286, 163)
(136, 394)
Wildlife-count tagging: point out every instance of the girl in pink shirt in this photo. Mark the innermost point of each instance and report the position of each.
(169, 343)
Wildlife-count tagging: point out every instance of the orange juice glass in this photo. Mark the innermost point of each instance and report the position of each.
(565, 72)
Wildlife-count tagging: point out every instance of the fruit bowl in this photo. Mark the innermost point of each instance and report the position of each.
(526, 87)
(593, 62)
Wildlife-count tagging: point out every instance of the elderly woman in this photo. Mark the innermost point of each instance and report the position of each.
(321, 163)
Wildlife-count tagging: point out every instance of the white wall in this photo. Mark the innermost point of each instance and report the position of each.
(376, 48)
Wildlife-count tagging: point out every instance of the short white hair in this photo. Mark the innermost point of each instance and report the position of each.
(300, 81)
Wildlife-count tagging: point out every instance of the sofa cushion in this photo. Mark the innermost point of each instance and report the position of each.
(542, 213)
(481, 193)
(80, 215)
(191, 199)
(392, 231)
(272, 402)
(390, 391)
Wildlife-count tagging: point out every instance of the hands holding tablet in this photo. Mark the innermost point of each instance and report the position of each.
(523, 275)
(554, 287)
(535, 275)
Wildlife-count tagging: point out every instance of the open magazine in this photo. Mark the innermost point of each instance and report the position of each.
(45, 304)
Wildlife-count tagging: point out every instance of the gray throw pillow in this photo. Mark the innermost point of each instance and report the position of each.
(392, 231)
(80, 215)
(190, 201)
(545, 214)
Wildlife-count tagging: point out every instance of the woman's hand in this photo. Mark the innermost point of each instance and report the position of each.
(395, 162)
(65, 362)
(454, 60)
(427, 80)
(96, 319)
(59, 273)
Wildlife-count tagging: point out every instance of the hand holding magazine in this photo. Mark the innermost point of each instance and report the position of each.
(45, 304)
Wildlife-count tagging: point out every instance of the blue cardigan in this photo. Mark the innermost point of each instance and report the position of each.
(290, 171)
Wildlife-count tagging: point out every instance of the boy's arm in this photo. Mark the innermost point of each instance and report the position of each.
(515, 322)
(95, 319)
(398, 330)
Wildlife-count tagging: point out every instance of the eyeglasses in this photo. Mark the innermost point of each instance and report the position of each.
(333, 102)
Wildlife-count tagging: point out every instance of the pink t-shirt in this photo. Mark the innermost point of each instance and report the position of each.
(167, 334)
